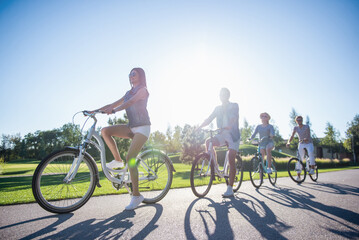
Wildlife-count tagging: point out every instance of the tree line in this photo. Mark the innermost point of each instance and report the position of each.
(175, 140)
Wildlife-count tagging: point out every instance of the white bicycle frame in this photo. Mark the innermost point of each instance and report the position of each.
(125, 178)
(306, 157)
(220, 173)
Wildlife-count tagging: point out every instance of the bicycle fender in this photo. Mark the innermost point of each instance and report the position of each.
(92, 162)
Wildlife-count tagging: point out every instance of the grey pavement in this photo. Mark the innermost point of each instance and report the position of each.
(328, 209)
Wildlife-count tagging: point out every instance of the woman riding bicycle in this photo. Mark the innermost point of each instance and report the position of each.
(138, 128)
(305, 142)
(227, 119)
(266, 132)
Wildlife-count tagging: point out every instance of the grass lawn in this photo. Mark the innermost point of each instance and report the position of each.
(16, 178)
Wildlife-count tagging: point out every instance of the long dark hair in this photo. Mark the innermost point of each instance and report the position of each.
(142, 76)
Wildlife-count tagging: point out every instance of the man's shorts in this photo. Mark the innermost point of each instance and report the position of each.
(225, 137)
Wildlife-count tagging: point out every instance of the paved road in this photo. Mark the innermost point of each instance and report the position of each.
(328, 209)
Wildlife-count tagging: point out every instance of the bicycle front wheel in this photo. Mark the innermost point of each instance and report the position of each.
(296, 170)
(202, 174)
(155, 176)
(273, 176)
(53, 192)
(256, 172)
(239, 174)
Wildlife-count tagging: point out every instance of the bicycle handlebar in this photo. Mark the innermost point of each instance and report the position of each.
(91, 113)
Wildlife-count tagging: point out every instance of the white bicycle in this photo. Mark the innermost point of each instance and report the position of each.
(296, 167)
(65, 180)
(205, 168)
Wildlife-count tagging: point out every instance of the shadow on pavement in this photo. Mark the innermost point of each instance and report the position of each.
(60, 219)
(256, 212)
(113, 227)
(300, 198)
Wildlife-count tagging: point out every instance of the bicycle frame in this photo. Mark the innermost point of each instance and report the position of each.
(306, 157)
(100, 146)
(220, 173)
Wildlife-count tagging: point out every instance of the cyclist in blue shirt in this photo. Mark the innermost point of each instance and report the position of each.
(266, 132)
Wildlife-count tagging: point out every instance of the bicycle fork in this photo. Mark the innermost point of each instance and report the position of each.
(74, 167)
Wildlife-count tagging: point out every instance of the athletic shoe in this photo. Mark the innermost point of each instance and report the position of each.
(135, 201)
(115, 164)
(229, 192)
(298, 178)
(311, 171)
(269, 170)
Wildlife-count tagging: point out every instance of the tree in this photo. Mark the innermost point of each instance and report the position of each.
(246, 131)
(5, 149)
(351, 142)
(278, 140)
(312, 134)
(192, 144)
(331, 139)
(292, 115)
(157, 139)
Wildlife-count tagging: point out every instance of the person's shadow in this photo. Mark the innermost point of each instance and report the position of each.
(92, 228)
(300, 198)
(256, 212)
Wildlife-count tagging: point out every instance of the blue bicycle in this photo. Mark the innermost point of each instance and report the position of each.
(258, 167)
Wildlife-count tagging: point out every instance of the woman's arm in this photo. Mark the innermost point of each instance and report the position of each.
(120, 105)
(108, 108)
(291, 138)
(271, 132)
(255, 133)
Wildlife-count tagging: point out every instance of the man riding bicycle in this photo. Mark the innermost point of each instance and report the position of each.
(227, 119)
(305, 142)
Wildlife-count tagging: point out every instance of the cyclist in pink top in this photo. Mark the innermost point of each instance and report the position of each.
(305, 142)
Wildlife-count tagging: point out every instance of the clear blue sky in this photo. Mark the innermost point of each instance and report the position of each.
(61, 57)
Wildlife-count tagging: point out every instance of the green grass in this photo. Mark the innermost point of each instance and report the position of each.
(15, 190)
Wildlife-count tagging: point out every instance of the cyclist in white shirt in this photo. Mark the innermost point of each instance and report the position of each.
(227, 119)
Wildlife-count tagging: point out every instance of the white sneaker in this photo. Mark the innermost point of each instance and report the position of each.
(229, 192)
(269, 170)
(311, 171)
(115, 164)
(135, 201)
(298, 178)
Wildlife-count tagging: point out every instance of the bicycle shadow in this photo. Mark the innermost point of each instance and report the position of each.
(301, 199)
(114, 227)
(342, 189)
(254, 211)
(60, 219)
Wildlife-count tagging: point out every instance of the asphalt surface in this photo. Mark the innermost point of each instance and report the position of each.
(328, 209)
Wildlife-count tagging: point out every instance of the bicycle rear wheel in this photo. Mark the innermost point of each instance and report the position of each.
(314, 177)
(50, 189)
(273, 176)
(294, 168)
(202, 174)
(155, 176)
(239, 173)
(256, 172)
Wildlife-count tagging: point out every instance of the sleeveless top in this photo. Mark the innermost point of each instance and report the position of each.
(137, 113)
(303, 132)
(266, 131)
